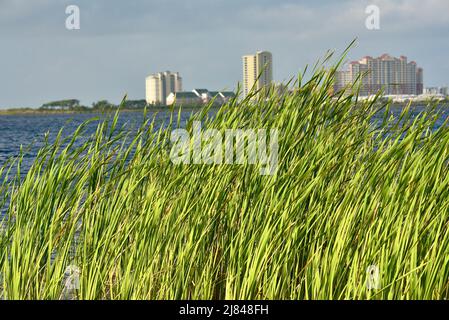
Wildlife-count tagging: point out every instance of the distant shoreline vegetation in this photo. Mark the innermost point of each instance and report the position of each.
(70, 106)
(73, 106)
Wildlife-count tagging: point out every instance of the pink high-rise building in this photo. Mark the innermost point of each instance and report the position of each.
(395, 76)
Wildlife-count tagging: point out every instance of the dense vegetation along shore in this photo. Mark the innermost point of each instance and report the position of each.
(348, 196)
(29, 111)
(73, 107)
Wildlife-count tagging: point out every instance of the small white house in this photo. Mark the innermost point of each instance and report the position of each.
(184, 98)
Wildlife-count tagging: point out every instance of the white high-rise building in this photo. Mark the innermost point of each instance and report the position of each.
(257, 71)
(159, 86)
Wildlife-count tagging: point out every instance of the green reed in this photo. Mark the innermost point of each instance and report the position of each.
(348, 193)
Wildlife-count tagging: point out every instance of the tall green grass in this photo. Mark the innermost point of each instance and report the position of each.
(348, 193)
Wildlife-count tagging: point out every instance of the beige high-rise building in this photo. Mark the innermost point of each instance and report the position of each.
(159, 86)
(257, 71)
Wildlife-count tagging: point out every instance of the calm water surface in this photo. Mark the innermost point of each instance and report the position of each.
(28, 130)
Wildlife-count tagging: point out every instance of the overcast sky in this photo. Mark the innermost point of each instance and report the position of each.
(121, 42)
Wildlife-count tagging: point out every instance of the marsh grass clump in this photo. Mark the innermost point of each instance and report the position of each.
(349, 193)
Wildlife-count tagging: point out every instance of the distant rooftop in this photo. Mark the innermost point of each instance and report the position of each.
(201, 91)
(228, 94)
(185, 94)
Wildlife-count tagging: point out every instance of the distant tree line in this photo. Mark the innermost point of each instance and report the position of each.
(62, 105)
(102, 105)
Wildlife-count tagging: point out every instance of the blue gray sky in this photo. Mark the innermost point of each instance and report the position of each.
(121, 42)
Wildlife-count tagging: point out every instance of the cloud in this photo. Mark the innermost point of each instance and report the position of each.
(120, 42)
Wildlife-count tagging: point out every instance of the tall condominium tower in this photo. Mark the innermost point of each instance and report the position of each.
(160, 85)
(419, 81)
(395, 76)
(257, 71)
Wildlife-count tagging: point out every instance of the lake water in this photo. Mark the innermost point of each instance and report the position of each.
(29, 130)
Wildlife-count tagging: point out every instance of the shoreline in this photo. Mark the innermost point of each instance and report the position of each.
(36, 112)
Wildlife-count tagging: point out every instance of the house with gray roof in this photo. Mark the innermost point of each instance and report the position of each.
(186, 98)
(199, 96)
